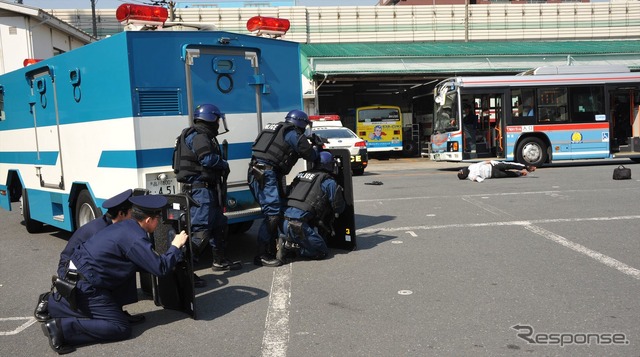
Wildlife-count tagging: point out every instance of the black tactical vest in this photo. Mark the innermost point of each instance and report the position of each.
(270, 146)
(306, 193)
(185, 160)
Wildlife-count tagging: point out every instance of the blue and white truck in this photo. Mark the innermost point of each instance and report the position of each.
(80, 127)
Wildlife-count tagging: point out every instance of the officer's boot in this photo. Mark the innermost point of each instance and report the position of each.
(221, 263)
(265, 256)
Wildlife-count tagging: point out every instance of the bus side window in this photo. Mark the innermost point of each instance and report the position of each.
(552, 104)
(523, 106)
(585, 103)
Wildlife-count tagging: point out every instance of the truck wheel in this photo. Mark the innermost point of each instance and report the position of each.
(33, 226)
(239, 228)
(86, 211)
(532, 151)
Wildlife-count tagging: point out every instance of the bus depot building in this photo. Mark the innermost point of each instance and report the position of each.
(354, 56)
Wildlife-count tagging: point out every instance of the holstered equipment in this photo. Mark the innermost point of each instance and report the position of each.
(66, 287)
(257, 170)
(295, 228)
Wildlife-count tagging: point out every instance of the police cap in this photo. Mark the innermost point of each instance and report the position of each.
(149, 204)
(117, 200)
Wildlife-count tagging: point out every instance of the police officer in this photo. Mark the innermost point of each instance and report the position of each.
(315, 198)
(118, 209)
(201, 169)
(276, 149)
(99, 267)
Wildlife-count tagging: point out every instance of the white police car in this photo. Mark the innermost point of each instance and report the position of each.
(339, 137)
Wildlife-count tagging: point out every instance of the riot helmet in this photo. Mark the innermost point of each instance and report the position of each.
(326, 162)
(301, 120)
(210, 115)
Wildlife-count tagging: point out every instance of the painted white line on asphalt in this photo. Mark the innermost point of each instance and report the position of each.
(550, 192)
(604, 259)
(489, 208)
(491, 224)
(530, 225)
(30, 321)
(411, 233)
(276, 331)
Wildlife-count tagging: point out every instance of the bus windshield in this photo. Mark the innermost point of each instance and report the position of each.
(379, 115)
(446, 110)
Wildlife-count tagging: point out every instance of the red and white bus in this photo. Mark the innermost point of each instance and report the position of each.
(545, 114)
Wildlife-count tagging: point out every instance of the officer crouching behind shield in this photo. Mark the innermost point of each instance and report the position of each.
(199, 165)
(118, 210)
(274, 153)
(89, 312)
(314, 200)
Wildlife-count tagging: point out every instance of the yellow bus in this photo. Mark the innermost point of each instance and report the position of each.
(380, 126)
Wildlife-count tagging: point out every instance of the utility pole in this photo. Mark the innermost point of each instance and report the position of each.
(93, 18)
(172, 11)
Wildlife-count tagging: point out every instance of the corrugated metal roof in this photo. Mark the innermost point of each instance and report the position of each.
(489, 48)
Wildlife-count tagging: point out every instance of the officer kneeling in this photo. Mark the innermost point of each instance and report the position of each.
(314, 200)
(83, 309)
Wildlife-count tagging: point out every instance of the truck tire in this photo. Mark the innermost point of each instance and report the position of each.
(239, 228)
(32, 225)
(86, 211)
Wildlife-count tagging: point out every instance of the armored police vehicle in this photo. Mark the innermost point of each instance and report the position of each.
(83, 126)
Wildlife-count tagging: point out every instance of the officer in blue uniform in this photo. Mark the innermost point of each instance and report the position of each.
(315, 198)
(118, 209)
(275, 151)
(200, 167)
(100, 266)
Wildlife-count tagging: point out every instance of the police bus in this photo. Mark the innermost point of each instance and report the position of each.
(545, 114)
(85, 125)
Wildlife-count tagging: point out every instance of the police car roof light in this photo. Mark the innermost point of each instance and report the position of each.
(268, 25)
(324, 117)
(141, 14)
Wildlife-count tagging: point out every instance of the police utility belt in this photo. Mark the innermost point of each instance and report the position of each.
(261, 166)
(191, 186)
(66, 286)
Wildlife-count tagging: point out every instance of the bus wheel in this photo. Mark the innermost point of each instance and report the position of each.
(86, 210)
(532, 151)
(33, 226)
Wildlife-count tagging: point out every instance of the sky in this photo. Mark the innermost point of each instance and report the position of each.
(112, 4)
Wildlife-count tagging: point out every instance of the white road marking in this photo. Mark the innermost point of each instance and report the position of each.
(531, 226)
(489, 208)
(491, 224)
(30, 321)
(606, 260)
(411, 233)
(563, 192)
(276, 332)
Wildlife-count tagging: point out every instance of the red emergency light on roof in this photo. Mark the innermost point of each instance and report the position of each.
(141, 14)
(268, 25)
(324, 117)
(29, 61)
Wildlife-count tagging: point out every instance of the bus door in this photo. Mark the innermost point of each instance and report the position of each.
(623, 104)
(43, 104)
(489, 112)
